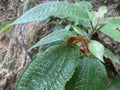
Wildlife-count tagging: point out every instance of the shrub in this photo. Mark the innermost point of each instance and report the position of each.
(70, 57)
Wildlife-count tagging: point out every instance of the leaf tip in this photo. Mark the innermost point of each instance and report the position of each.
(5, 28)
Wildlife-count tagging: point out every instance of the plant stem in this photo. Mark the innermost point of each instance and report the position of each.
(90, 35)
(93, 30)
(97, 23)
(92, 27)
(100, 27)
(22, 28)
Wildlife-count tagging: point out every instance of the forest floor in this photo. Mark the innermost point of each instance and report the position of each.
(8, 77)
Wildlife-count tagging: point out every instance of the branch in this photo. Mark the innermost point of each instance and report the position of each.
(21, 30)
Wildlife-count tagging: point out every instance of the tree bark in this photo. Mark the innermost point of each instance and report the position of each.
(12, 57)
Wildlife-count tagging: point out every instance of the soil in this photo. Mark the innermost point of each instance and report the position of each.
(12, 53)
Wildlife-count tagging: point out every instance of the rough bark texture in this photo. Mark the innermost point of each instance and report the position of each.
(12, 57)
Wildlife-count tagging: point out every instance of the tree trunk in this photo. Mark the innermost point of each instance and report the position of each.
(12, 57)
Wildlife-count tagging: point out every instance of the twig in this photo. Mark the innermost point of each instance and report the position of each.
(22, 28)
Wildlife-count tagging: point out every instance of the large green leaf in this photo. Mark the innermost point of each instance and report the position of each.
(109, 54)
(84, 4)
(115, 84)
(59, 35)
(97, 49)
(57, 9)
(89, 75)
(110, 28)
(79, 31)
(50, 69)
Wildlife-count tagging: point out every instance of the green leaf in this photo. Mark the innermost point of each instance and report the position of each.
(89, 75)
(93, 17)
(102, 10)
(110, 28)
(97, 49)
(68, 27)
(84, 4)
(85, 23)
(58, 27)
(57, 9)
(59, 35)
(6, 28)
(50, 70)
(115, 84)
(109, 54)
(79, 31)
